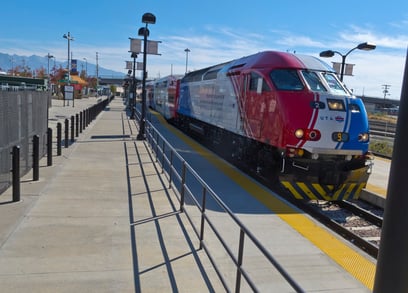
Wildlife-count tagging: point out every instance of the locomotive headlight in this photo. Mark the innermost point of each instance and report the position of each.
(315, 156)
(299, 133)
(363, 137)
(335, 105)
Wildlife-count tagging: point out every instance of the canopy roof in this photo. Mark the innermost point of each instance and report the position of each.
(79, 80)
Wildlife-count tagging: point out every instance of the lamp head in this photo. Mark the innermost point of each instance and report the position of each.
(149, 18)
(366, 46)
(143, 32)
(327, 53)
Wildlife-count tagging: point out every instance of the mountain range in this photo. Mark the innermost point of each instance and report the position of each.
(34, 62)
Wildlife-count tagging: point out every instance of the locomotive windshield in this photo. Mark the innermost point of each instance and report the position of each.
(286, 80)
(323, 82)
(313, 81)
(334, 84)
(317, 81)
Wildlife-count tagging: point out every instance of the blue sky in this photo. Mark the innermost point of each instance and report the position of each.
(215, 32)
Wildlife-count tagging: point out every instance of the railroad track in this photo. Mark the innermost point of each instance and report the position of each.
(354, 223)
(382, 128)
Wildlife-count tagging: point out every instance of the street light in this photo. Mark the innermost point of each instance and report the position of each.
(330, 53)
(133, 94)
(187, 51)
(86, 67)
(49, 56)
(143, 31)
(69, 39)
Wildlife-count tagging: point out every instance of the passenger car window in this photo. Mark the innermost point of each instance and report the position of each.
(286, 80)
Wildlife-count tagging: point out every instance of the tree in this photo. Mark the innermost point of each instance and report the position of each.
(41, 73)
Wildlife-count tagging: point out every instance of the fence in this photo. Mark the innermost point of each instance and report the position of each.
(22, 115)
(194, 191)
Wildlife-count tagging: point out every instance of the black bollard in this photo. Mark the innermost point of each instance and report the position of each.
(36, 157)
(16, 173)
(72, 128)
(59, 138)
(76, 125)
(66, 133)
(81, 121)
(49, 146)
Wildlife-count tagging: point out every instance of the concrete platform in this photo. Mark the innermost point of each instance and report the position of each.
(376, 190)
(103, 219)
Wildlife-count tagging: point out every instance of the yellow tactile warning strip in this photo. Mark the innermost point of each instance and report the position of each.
(376, 189)
(362, 268)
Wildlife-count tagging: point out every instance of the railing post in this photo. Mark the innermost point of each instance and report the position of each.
(183, 182)
(16, 173)
(49, 146)
(163, 153)
(171, 168)
(66, 133)
(239, 260)
(36, 157)
(203, 204)
(59, 138)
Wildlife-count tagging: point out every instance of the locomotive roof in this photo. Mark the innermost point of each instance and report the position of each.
(272, 59)
(275, 59)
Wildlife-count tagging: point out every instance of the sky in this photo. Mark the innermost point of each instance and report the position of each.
(216, 32)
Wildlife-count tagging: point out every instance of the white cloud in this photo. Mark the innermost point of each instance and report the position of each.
(216, 45)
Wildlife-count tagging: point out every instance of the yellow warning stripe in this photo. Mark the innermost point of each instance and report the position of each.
(306, 190)
(321, 191)
(359, 266)
(292, 190)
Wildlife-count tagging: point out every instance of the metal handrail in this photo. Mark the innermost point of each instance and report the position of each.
(160, 146)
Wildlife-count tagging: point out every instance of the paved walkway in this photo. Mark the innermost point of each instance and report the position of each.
(102, 219)
(74, 229)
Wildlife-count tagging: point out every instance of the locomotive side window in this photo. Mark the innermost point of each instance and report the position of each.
(286, 80)
(258, 84)
(313, 81)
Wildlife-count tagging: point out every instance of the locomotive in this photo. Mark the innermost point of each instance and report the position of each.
(285, 116)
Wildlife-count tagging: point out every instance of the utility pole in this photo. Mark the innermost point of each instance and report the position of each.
(386, 92)
(97, 74)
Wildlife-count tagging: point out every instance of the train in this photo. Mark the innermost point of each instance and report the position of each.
(283, 116)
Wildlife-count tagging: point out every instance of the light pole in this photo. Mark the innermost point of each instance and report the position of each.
(133, 95)
(187, 51)
(143, 31)
(86, 67)
(69, 39)
(49, 56)
(330, 53)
